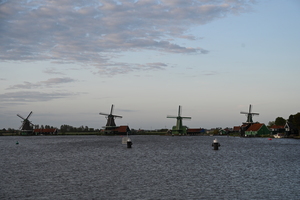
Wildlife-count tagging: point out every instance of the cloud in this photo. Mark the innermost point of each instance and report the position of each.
(48, 83)
(90, 31)
(52, 71)
(209, 73)
(27, 96)
(112, 69)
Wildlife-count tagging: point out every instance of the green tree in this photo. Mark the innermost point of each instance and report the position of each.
(279, 121)
(296, 120)
(271, 123)
(291, 119)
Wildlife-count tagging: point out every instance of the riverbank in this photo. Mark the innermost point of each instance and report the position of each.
(139, 133)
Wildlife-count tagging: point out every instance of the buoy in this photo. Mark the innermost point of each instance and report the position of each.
(270, 139)
(17, 142)
(216, 144)
(129, 143)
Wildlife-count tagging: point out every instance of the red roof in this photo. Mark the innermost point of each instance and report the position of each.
(122, 129)
(236, 128)
(276, 127)
(255, 127)
(194, 130)
(45, 130)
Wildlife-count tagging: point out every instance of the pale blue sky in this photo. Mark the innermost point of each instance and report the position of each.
(69, 60)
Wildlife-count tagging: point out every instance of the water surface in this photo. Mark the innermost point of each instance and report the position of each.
(157, 167)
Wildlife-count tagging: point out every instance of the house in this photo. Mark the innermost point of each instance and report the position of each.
(119, 130)
(236, 129)
(223, 131)
(257, 129)
(195, 131)
(290, 129)
(277, 129)
(244, 127)
(45, 131)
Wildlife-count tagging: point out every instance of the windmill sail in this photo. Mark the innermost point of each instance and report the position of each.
(179, 128)
(26, 126)
(249, 114)
(110, 118)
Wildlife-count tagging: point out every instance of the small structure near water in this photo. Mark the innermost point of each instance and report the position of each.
(129, 143)
(126, 140)
(215, 144)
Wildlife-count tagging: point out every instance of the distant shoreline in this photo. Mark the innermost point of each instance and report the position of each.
(144, 133)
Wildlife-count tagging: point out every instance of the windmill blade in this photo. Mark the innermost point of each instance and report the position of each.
(244, 113)
(179, 111)
(29, 115)
(20, 128)
(255, 113)
(117, 116)
(186, 117)
(111, 110)
(250, 108)
(20, 116)
(171, 116)
(103, 114)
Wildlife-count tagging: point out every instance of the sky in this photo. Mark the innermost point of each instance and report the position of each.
(68, 60)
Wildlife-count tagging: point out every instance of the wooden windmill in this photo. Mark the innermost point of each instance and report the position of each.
(26, 126)
(249, 115)
(179, 128)
(110, 119)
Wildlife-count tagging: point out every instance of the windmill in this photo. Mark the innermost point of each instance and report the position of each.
(26, 126)
(110, 119)
(249, 115)
(179, 128)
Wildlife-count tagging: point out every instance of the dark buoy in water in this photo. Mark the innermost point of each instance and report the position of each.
(129, 143)
(17, 142)
(216, 144)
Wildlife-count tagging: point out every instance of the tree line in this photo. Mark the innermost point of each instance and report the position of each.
(67, 128)
(293, 119)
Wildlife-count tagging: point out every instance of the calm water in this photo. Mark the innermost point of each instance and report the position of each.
(157, 167)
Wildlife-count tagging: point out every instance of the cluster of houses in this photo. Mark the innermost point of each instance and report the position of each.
(260, 129)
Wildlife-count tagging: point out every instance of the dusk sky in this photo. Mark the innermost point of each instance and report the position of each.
(68, 60)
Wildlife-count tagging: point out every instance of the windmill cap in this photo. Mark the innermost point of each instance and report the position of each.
(215, 141)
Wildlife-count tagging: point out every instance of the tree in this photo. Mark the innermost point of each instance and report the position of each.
(296, 120)
(271, 123)
(279, 121)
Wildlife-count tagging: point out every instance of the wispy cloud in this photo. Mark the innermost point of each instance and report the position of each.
(124, 68)
(25, 96)
(209, 73)
(89, 32)
(48, 83)
(52, 71)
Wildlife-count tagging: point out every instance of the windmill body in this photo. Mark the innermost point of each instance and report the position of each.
(249, 121)
(249, 115)
(179, 128)
(27, 126)
(110, 124)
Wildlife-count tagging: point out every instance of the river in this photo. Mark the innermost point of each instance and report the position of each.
(156, 167)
